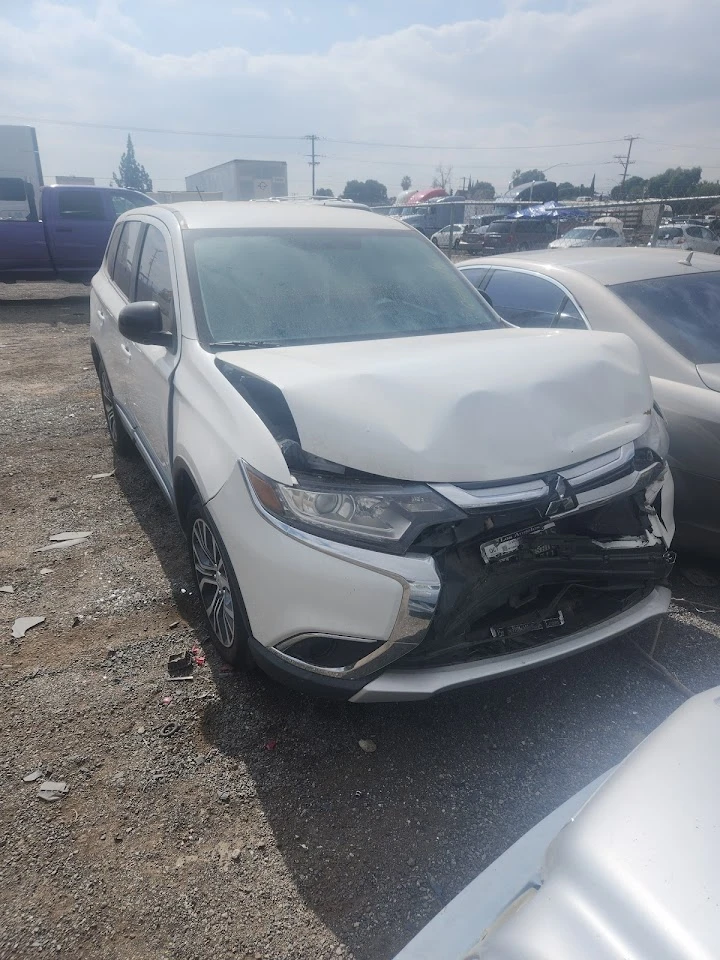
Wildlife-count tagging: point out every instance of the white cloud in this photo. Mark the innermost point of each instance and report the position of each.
(251, 13)
(594, 72)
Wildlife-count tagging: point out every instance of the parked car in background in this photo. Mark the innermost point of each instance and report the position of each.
(66, 238)
(589, 237)
(625, 868)
(688, 236)
(382, 497)
(474, 232)
(670, 308)
(449, 236)
(507, 236)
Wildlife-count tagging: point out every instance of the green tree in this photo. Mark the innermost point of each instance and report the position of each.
(481, 190)
(675, 182)
(324, 192)
(526, 176)
(406, 182)
(634, 189)
(133, 175)
(366, 191)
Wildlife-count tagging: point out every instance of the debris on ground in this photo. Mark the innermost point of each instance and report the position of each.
(32, 777)
(367, 745)
(102, 476)
(53, 790)
(180, 665)
(45, 570)
(23, 624)
(7, 589)
(169, 729)
(271, 744)
(62, 544)
(58, 537)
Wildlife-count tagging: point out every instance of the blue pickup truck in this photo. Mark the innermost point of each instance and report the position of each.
(64, 236)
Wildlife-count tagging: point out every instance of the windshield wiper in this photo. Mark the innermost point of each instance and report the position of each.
(247, 344)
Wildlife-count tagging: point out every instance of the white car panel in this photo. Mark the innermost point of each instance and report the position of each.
(290, 589)
(417, 408)
(625, 868)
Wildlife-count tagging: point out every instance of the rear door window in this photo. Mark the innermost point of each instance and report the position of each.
(81, 205)
(154, 279)
(122, 272)
(122, 202)
(569, 317)
(476, 275)
(524, 299)
(683, 310)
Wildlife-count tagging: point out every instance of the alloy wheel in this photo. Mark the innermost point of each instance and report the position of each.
(213, 583)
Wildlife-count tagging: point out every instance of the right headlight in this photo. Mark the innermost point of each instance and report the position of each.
(656, 437)
(384, 517)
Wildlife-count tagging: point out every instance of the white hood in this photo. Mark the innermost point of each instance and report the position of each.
(463, 407)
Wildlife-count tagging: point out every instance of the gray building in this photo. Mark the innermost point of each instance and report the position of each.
(242, 179)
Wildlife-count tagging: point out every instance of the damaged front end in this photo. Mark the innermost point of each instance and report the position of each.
(519, 577)
(487, 570)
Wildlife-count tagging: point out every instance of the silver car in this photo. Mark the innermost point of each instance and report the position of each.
(669, 303)
(688, 236)
(625, 868)
(589, 237)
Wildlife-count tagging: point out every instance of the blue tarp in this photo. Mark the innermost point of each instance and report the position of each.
(551, 210)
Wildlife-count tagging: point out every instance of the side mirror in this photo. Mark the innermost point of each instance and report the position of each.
(142, 322)
(486, 297)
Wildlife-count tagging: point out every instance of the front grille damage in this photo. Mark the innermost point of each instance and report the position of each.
(515, 582)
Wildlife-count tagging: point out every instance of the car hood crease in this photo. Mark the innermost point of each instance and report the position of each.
(476, 406)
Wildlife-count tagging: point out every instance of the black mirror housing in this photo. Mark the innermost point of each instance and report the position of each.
(142, 322)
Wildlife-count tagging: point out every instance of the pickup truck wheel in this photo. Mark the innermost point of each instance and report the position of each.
(121, 439)
(218, 587)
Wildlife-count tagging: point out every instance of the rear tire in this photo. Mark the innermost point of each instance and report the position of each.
(217, 586)
(120, 438)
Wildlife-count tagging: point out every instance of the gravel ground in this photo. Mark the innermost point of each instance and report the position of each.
(227, 817)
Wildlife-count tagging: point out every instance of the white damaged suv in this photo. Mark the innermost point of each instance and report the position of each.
(387, 492)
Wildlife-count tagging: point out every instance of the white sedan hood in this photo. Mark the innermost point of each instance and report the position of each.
(463, 407)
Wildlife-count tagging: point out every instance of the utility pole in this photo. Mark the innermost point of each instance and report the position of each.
(312, 163)
(625, 162)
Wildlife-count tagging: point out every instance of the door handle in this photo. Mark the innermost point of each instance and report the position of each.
(101, 315)
(126, 349)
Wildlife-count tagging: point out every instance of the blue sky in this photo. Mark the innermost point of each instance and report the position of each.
(482, 87)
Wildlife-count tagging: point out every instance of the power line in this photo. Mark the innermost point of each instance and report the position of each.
(419, 146)
(273, 136)
(135, 129)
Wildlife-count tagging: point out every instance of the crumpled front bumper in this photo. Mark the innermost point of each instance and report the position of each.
(299, 588)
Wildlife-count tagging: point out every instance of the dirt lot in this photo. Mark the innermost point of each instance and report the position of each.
(227, 817)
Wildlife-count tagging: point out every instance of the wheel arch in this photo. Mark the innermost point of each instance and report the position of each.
(184, 489)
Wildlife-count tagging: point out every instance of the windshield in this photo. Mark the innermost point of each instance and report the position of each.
(307, 286)
(683, 310)
(580, 233)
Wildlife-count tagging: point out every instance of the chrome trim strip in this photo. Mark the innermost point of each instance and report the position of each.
(396, 685)
(417, 575)
(526, 492)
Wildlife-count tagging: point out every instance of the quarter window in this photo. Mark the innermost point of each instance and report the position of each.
(122, 272)
(475, 275)
(154, 279)
(122, 202)
(523, 299)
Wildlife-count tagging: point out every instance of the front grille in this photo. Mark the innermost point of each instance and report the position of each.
(504, 594)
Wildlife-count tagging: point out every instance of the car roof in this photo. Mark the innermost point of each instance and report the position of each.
(609, 265)
(219, 214)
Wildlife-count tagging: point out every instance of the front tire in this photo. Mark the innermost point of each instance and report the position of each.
(217, 586)
(120, 438)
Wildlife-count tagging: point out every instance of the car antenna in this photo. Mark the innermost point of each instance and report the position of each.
(199, 194)
(688, 259)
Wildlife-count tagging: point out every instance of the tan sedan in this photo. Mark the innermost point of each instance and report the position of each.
(669, 303)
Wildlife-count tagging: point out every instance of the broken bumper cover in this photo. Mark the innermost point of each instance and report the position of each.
(410, 626)
(397, 685)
